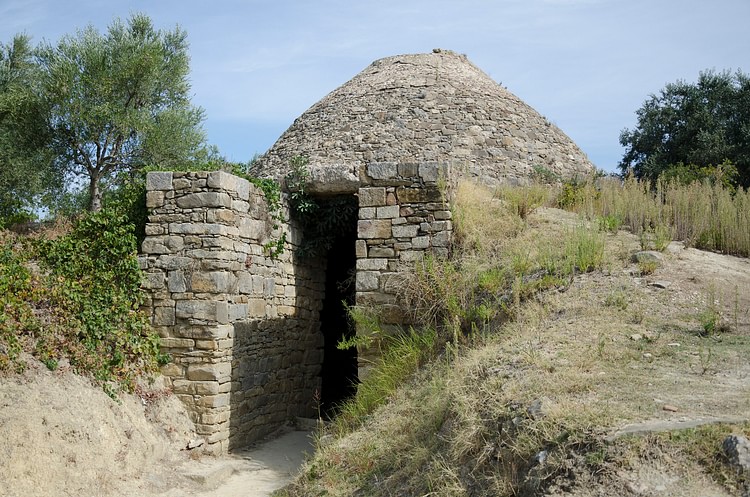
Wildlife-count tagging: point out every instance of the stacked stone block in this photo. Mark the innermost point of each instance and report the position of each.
(242, 329)
(404, 212)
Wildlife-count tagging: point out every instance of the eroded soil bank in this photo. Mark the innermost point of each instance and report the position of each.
(63, 436)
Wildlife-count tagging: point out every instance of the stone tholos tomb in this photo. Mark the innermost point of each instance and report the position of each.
(253, 337)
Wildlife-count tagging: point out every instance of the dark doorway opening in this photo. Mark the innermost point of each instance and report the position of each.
(339, 368)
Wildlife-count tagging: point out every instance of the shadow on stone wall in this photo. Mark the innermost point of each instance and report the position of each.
(243, 328)
(275, 376)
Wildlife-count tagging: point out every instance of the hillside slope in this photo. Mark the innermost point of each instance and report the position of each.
(62, 435)
(624, 382)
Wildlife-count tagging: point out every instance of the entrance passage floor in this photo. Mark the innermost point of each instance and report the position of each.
(253, 472)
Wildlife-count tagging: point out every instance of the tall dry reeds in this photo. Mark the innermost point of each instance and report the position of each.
(703, 215)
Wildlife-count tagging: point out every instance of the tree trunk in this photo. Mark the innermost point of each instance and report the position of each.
(94, 193)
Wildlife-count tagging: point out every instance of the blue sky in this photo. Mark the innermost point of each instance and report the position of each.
(587, 65)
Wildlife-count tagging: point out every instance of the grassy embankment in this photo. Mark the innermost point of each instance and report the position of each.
(536, 341)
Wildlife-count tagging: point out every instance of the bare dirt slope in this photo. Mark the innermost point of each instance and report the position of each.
(63, 436)
(664, 352)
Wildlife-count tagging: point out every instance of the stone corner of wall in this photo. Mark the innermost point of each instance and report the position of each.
(158, 180)
(222, 180)
(206, 274)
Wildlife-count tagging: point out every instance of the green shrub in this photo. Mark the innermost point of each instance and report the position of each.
(647, 267)
(662, 237)
(572, 194)
(585, 247)
(711, 319)
(725, 174)
(16, 314)
(92, 283)
(523, 200)
(617, 298)
(656, 238)
(366, 320)
(610, 223)
(542, 174)
(129, 201)
(18, 217)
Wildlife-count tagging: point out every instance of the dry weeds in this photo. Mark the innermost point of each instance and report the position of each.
(537, 406)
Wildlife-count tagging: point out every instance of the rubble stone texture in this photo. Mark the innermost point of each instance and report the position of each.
(435, 107)
(737, 450)
(242, 329)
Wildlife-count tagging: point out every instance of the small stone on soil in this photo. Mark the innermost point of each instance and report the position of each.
(194, 443)
(660, 284)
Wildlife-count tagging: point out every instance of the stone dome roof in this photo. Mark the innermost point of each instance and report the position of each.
(435, 107)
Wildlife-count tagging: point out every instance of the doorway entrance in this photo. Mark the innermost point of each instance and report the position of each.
(339, 369)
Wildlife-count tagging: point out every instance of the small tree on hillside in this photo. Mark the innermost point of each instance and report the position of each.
(701, 124)
(118, 101)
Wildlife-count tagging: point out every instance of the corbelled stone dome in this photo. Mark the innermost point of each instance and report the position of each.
(435, 107)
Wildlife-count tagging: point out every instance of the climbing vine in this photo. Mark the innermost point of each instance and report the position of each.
(76, 297)
(296, 181)
(272, 191)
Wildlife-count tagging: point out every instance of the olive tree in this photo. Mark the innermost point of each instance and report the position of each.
(26, 171)
(116, 102)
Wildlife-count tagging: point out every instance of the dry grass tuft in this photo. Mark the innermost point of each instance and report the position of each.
(484, 223)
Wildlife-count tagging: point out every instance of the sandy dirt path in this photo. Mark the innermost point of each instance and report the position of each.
(253, 472)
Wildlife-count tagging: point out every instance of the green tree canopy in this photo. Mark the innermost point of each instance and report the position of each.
(704, 124)
(113, 103)
(26, 170)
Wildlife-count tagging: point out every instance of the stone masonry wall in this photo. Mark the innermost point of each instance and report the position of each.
(404, 212)
(428, 107)
(242, 329)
